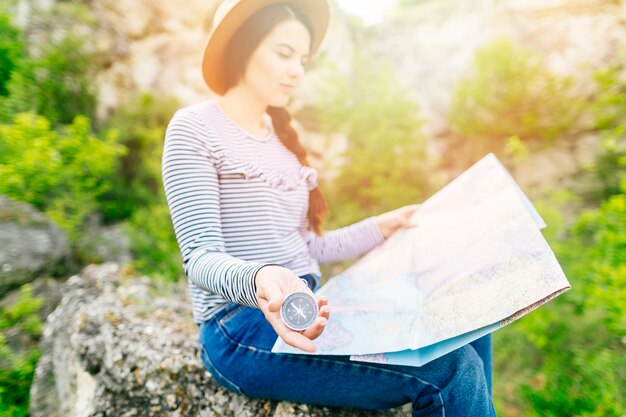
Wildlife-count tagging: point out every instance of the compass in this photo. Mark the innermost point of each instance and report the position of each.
(299, 310)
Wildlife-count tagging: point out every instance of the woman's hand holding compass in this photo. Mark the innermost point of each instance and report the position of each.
(290, 306)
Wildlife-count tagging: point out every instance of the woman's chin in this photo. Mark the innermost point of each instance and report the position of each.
(280, 101)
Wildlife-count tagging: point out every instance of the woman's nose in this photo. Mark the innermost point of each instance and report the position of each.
(296, 70)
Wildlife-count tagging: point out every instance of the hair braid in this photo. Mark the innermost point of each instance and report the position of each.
(237, 54)
(289, 137)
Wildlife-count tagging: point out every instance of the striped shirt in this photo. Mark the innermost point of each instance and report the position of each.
(239, 203)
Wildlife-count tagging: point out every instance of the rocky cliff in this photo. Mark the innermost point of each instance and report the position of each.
(157, 46)
(119, 345)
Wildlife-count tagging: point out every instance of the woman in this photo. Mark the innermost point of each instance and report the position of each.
(247, 212)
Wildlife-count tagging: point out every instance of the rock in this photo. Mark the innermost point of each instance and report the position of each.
(125, 346)
(99, 244)
(30, 245)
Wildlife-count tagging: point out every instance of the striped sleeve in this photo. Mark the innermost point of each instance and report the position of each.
(346, 242)
(192, 193)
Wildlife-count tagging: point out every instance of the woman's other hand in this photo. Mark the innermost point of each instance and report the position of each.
(273, 284)
(391, 221)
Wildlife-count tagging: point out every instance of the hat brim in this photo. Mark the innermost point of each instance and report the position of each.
(212, 61)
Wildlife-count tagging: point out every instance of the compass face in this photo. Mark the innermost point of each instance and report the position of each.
(299, 310)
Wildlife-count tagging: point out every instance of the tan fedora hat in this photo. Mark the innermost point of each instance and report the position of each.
(230, 14)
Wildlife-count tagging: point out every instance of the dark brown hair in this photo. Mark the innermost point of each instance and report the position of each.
(236, 56)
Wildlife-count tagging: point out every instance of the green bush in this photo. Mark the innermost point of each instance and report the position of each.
(59, 172)
(8, 6)
(509, 91)
(384, 165)
(602, 234)
(609, 104)
(17, 369)
(153, 243)
(608, 172)
(569, 357)
(11, 51)
(56, 79)
(56, 86)
(136, 195)
(136, 183)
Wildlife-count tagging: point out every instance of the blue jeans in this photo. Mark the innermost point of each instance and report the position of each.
(236, 342)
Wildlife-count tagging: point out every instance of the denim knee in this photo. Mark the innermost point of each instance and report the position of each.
(466, 393)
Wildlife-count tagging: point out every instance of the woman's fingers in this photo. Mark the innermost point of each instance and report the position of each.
(316, 328)
(321, 302)
(407, 213)
(302, 340)
(299, 341)
(324, 309)
(274, 284)
(292, 338)
(320, 323)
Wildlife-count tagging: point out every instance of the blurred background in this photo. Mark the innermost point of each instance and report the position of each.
(403, 97)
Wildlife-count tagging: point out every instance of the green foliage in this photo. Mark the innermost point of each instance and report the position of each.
(7, 6)
(602, 233)
(22, 312)
(15, 381)
(11, 51)
(384, 165)
(56, 86)
(609, 105)
(17, 369)
(608, 171)
(516, 150)
(60, 172)
(136, 183)
(55, 79)
(137, 191)
(569, 357)
(154, 246)
(509, 91)
(609, 110)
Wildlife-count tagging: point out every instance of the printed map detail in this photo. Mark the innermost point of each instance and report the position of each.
(475, 261)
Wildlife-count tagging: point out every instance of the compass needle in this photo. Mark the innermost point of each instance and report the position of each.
(299, 310)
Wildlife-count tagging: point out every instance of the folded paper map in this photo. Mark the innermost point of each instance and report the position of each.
(475, 262)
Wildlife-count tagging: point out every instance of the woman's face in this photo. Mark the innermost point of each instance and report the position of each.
(276, 66)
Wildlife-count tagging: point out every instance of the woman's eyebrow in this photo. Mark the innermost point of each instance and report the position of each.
(292, 49)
